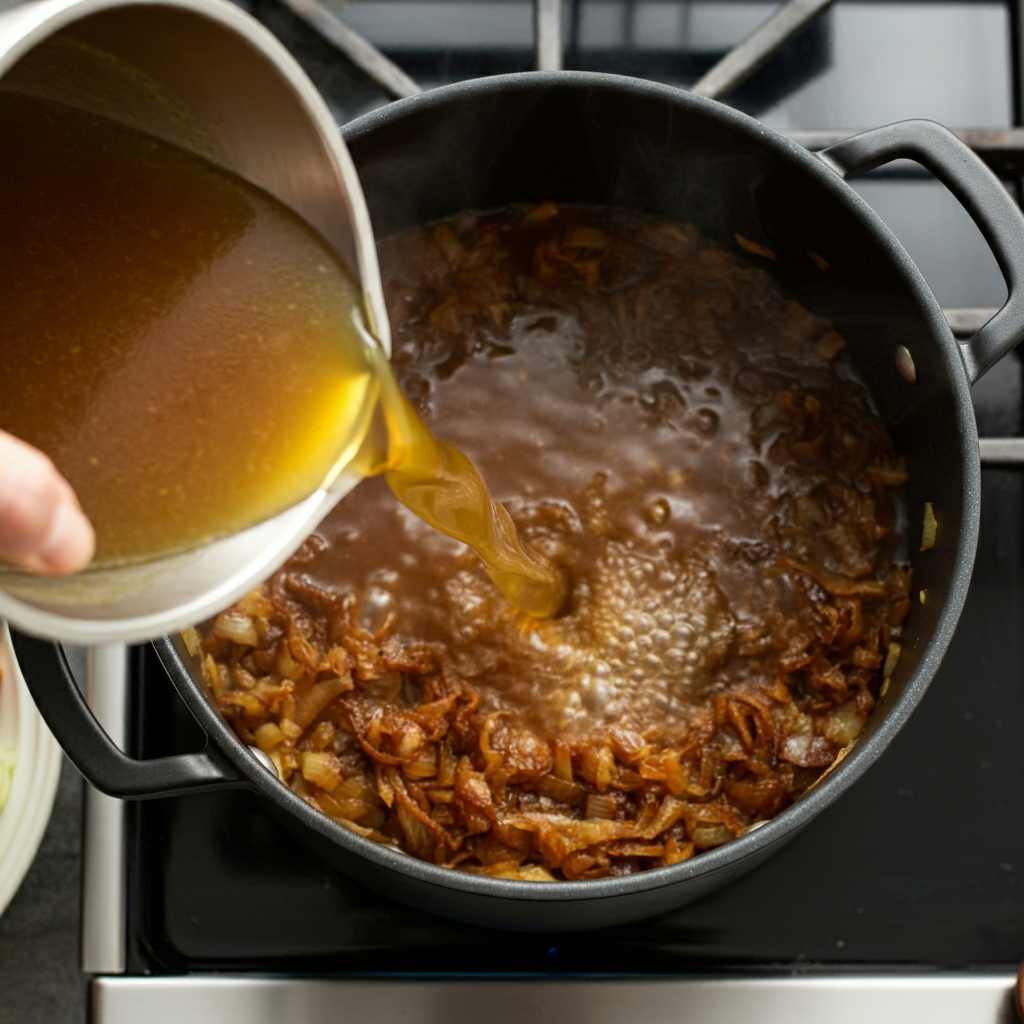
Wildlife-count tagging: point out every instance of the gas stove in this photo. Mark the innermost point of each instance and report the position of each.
(899, 903)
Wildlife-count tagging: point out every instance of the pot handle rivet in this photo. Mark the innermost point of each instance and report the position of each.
(905, 364)
(264, 759)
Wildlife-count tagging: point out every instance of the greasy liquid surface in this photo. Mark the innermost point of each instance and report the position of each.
(186, 351)
(638, 432)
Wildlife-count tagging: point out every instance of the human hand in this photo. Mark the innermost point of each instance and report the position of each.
(42, 526)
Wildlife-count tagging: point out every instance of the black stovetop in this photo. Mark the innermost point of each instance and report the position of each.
(917, 865)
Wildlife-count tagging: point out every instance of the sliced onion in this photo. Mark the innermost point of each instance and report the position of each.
(235, 626)
(929, 528)
(601, 805)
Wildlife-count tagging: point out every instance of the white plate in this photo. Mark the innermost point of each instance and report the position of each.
(36, 773)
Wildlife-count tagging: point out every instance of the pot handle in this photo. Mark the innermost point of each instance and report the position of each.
(71, 721)
(982, 195)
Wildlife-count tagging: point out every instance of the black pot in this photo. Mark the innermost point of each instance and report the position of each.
(601, 139)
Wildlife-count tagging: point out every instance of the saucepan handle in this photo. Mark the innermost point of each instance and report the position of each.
(65, 711)
(982, 195)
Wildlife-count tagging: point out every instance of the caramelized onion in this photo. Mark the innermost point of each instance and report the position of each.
(737, 606)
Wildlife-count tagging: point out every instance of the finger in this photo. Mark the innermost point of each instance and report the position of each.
(42, 526)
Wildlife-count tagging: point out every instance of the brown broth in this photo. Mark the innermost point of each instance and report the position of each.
(622, 435)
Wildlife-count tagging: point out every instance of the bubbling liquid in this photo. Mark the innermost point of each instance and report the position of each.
(638, 424)
(189, 352)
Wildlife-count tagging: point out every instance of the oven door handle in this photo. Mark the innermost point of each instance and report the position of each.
(91, 750)
(980, 193)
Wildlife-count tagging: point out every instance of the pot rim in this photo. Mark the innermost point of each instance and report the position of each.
(842, 774)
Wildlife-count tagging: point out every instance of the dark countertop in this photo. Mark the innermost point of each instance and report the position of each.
(39, 932)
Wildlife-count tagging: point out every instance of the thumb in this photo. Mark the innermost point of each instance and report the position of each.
(42, 526)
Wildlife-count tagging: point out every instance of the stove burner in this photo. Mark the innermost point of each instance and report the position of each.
(914, 870)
